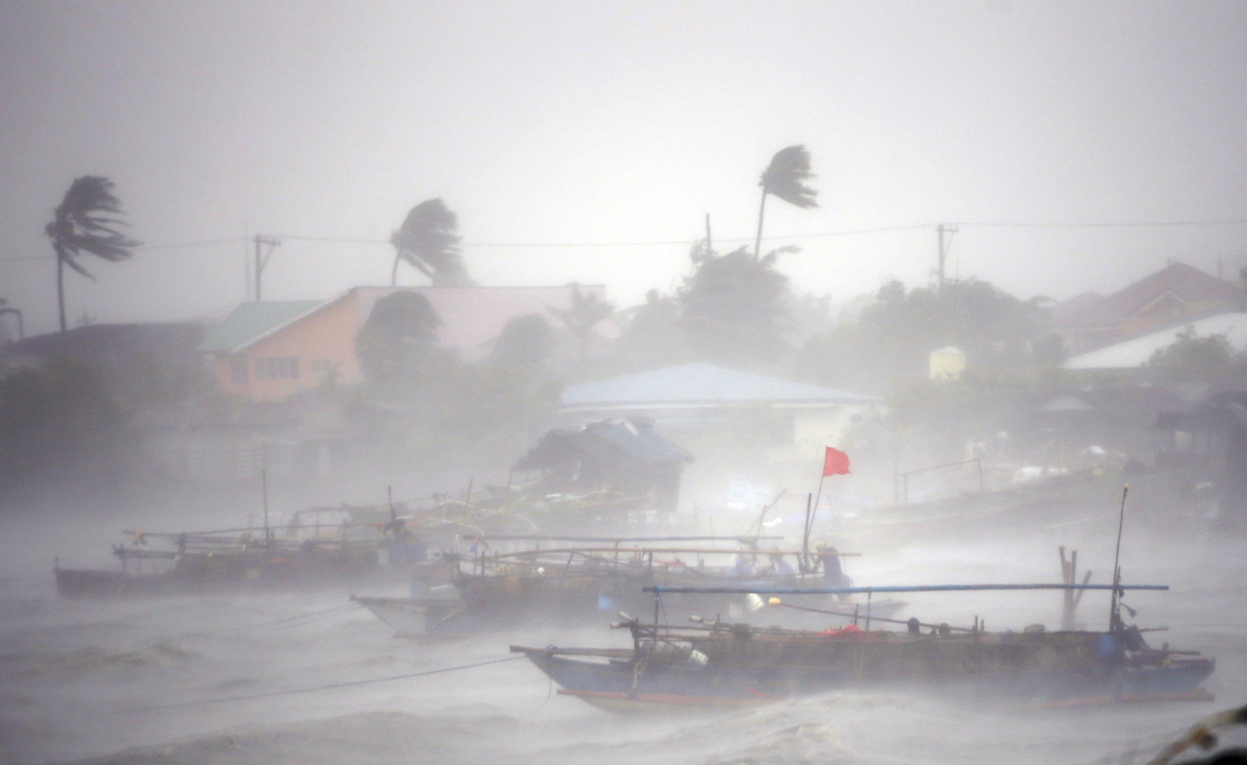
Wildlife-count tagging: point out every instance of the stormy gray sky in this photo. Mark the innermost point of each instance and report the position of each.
(544, 123)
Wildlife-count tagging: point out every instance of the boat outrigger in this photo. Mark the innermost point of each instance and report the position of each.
(717, 664)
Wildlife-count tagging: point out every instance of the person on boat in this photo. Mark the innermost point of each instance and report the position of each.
(780, 567)
(744, 568)
(833, 575)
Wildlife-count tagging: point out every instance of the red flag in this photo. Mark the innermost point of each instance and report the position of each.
(835, 463)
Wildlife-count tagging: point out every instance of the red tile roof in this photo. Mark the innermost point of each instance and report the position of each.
(1188, 283)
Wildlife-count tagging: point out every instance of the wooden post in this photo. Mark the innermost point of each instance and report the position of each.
(1071, 598)
(264, 495)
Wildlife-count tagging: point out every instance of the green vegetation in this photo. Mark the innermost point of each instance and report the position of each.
(525, 342)
(421, 404)
(429, 242)
(585, 313)
(58, 421)
(785, 178)
(87, 222)
(1198, 359)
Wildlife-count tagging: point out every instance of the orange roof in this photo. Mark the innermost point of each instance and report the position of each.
(1186, 282)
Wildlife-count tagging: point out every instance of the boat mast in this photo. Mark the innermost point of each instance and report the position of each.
(1114, 613)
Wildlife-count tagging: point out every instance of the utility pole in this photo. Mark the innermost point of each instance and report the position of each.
(944, 245)
(261, 258)
(710, 244)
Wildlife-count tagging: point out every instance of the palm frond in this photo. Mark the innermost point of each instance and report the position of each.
(772, 257)
(429, 241)
(785, 177)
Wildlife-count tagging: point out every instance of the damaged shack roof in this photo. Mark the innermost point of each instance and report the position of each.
(608, 441)
(699, 385)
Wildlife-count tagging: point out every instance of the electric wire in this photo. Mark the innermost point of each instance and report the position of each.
(184, 246)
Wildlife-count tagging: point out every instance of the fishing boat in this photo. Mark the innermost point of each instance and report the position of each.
(717, 664)
(586, 584)
(194, 562)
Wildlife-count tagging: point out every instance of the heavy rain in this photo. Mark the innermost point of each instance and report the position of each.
(683, 382)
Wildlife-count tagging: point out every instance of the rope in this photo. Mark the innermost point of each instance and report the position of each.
(348, 684)
(336, 610)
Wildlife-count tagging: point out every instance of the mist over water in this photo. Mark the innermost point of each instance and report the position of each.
(122, 681)
(400, 260)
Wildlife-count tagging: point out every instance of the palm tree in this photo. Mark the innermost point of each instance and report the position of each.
(86, 222)
(429, 240)
(785, 178)
(585, 312)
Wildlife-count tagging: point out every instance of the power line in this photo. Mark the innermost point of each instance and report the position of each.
(1112, 224)
(642, 243)
(809, 235)
(200, 244)
(678, 242)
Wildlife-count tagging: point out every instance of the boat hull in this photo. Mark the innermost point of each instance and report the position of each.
(735, 671)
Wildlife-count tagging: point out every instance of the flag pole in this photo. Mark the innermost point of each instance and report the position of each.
(810, 520)
(805, 539)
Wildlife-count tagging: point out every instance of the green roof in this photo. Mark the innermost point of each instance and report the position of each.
(251, 321)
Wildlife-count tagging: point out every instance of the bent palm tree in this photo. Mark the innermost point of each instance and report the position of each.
(86, 222)
(785, 178)
(429, 241)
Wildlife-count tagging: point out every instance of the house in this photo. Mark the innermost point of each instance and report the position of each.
(798, 418)
(1178, 291)
(1113, 417)
(270, 350)
(1208, 444)
(624, 456)
(1133, 354)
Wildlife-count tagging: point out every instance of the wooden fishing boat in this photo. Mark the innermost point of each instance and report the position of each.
(585, 585)
(715, 664)
(215, 561)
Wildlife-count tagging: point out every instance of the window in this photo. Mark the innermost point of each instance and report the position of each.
(277, 368)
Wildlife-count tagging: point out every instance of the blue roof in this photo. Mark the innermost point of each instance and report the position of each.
(251, 321)
(701, 385)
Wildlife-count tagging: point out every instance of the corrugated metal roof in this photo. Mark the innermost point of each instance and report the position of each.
(701, 384)
(250, 321)
(1134, 353)
(603, 442)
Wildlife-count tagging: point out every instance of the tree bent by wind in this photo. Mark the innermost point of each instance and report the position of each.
(785, 178)
(429, 241)
(87, 221)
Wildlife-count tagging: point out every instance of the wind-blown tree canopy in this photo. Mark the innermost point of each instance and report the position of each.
(429, 241)
(785, 178)
(87, 221)
(890, 343)
(398, 343)
(1195, 358)
(735, 307)
(526, 341)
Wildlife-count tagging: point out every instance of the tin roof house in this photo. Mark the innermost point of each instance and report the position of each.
(700, 397)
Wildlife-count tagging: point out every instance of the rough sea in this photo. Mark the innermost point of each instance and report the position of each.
(167, 680)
